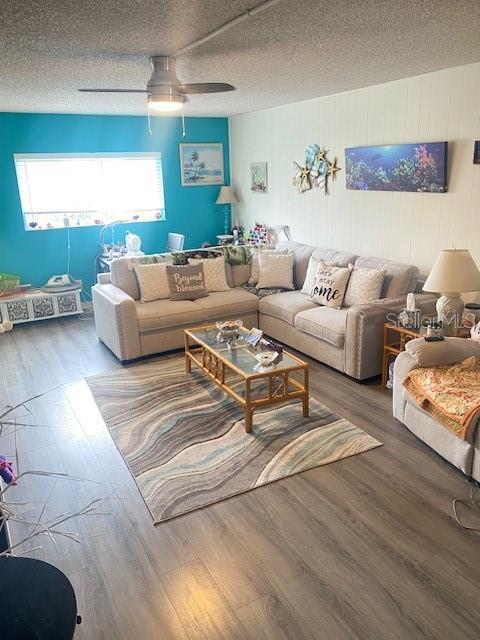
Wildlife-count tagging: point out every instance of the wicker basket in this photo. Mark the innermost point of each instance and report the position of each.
(8, 284)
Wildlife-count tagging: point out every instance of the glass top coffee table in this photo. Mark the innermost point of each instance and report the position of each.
(235, 370)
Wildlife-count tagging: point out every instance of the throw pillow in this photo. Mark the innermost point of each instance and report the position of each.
(330, 285)
(276, 270)
(186, 282)
(365, 285)
(214, 271)
(256, 252)
(311, 274)
(152, 281)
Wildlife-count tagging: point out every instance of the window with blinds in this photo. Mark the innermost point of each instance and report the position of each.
(58, 190)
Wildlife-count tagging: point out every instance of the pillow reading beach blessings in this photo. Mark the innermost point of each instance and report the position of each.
(186, 282)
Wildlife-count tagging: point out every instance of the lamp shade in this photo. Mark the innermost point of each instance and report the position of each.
(226, 196)
(454, 271)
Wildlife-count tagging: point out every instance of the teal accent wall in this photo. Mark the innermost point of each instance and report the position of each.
(36, 255)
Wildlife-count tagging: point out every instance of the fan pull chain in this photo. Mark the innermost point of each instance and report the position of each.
(183, 124)
(148, 120)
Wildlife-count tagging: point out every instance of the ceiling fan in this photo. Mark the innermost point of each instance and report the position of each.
(164, 90)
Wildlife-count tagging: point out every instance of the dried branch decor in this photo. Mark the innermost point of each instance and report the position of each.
(12, 419)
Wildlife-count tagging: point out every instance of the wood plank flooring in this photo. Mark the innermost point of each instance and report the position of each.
(365, 548)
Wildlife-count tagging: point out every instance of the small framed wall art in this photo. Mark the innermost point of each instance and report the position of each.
(258, 177)
(201, 164)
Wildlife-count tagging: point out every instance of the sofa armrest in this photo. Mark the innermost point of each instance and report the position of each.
(116, 321)
(404, 363)
(364, 332)
(448, 351)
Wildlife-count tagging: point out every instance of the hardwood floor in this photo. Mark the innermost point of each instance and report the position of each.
(363, 548)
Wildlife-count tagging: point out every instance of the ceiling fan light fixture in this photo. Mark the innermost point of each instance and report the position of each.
(167, 102)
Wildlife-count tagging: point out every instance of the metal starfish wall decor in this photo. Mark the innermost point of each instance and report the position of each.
(316, 171)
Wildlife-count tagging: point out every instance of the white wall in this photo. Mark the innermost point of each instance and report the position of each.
(407, 227)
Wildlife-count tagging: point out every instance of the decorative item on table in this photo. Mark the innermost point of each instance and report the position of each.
(224, 238)
(410, 316)
(316, 171)
(434, 330)
(267, 344)
(10, 285)
(201, 164)
(453, 273)
(469, 320)
(229, 331)
(227, 197)
(133, 244)
(258, 177)
(61, 283)
(475, 332)
(476, 152)
(238, 233)
(266, 360)
(259, 234)
(254, 337)
(398, 167)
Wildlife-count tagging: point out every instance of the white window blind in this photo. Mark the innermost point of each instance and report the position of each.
(88, 189)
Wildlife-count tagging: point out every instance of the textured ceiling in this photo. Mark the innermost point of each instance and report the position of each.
(291, 51)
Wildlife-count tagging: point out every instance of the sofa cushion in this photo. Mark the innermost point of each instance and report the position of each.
(122, 273)
(285, 306)
(365, 285)
(445, 352)
(330, 285)
(123, 276)
(214, 271)
(152, 281)
(186, 282)
(237, 274)
(165, 314)
(233, 302)
(325, 323)
(255, 261)
(301, 256)
(337, 258)
(275, 271)
(399, 278)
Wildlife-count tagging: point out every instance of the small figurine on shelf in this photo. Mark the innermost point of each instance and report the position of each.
(237, 233)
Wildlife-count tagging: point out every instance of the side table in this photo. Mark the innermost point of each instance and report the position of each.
(395, 337)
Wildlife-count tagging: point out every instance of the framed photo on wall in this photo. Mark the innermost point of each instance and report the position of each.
(201, 164)
(258, 177)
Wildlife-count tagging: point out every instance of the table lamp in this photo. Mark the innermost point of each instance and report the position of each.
(226, 196)
(453, 273)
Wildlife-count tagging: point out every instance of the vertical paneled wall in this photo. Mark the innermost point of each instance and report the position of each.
(410, 227)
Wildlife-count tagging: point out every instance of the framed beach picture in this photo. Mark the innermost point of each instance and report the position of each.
(420, 167)
(201, 164)
(258, 177)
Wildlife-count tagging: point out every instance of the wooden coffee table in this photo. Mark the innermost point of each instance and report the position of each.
(235, 370)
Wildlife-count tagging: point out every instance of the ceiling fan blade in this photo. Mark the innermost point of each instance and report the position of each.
(205, 87)
(113, 90)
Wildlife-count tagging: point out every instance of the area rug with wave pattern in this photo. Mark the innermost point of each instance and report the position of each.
(184, 439)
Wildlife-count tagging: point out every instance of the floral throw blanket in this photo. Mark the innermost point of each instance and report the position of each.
(450, 394)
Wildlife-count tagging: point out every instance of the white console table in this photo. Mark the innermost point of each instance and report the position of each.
(38, 305)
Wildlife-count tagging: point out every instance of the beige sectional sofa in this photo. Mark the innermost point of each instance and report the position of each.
(348, 339)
